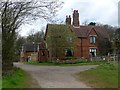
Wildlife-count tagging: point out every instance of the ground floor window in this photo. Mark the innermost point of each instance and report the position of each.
(68, 52)
(93, 51)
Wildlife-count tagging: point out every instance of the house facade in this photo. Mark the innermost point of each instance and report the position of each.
(72, 39)
(33, 52)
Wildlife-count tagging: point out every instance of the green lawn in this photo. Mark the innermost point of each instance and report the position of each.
(104, 76)
(64, 64)
(19, 79)
(0, 82)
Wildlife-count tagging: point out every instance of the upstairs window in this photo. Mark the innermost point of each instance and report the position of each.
(69, 39)
(92, 39)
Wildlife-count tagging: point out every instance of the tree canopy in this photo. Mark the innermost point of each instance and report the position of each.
(14, 14)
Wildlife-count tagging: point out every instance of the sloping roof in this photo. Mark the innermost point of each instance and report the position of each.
(83, 31)
(55, 29)
(101, 32)
(30, 47)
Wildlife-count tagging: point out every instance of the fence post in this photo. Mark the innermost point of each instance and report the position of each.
(108, 57)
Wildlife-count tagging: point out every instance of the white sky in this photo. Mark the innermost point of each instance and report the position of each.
(102, 11)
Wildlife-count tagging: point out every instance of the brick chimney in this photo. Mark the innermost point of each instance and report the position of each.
(68, 20)
(75, 18)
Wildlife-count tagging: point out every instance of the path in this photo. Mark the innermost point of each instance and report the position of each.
(56, 76)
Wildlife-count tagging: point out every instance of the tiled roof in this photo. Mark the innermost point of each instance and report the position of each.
(29, 47)
(55, 29)
(83, 31)
(101, 32)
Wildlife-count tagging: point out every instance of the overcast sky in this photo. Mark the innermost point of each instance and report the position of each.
(102, 11)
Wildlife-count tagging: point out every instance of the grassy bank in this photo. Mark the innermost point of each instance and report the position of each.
(19, 79)
(0, 82)
(64, 64)
(104, 76)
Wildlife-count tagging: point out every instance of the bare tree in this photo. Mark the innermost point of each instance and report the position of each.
(35, 37)
(14, 14)
(85, 22)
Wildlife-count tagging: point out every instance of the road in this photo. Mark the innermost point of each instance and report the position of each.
(56, 76)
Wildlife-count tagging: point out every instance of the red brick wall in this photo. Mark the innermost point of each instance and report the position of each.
(42, 57)
(77, 50)
(85, 46)
(93, 45)
(26, 54)
(75, 18)
(85, 43)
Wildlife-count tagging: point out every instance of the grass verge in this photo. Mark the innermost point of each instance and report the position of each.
(64, 64)
(0, 82)
(103, 76)
(19, 79)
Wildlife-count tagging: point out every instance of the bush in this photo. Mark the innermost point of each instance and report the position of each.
(69, 60)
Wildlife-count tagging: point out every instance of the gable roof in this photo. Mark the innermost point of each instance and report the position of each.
(83, 31)
(29, 47)
(101, 32)
(55, 28)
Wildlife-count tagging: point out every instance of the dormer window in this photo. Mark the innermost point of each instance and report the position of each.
(92, 39)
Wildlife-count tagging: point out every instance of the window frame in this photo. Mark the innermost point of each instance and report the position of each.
(92, 39)
(93, 50)
(66, 51)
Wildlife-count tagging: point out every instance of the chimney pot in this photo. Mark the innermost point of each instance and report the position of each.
(75, 18)
(68, 20)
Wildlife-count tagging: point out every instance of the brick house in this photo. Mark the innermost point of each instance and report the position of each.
(73, 40)
(33, 52)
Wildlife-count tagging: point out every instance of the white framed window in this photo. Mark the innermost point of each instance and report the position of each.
(92, 39)
(93, 51)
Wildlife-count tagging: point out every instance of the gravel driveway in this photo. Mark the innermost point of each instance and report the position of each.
(56, 76)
